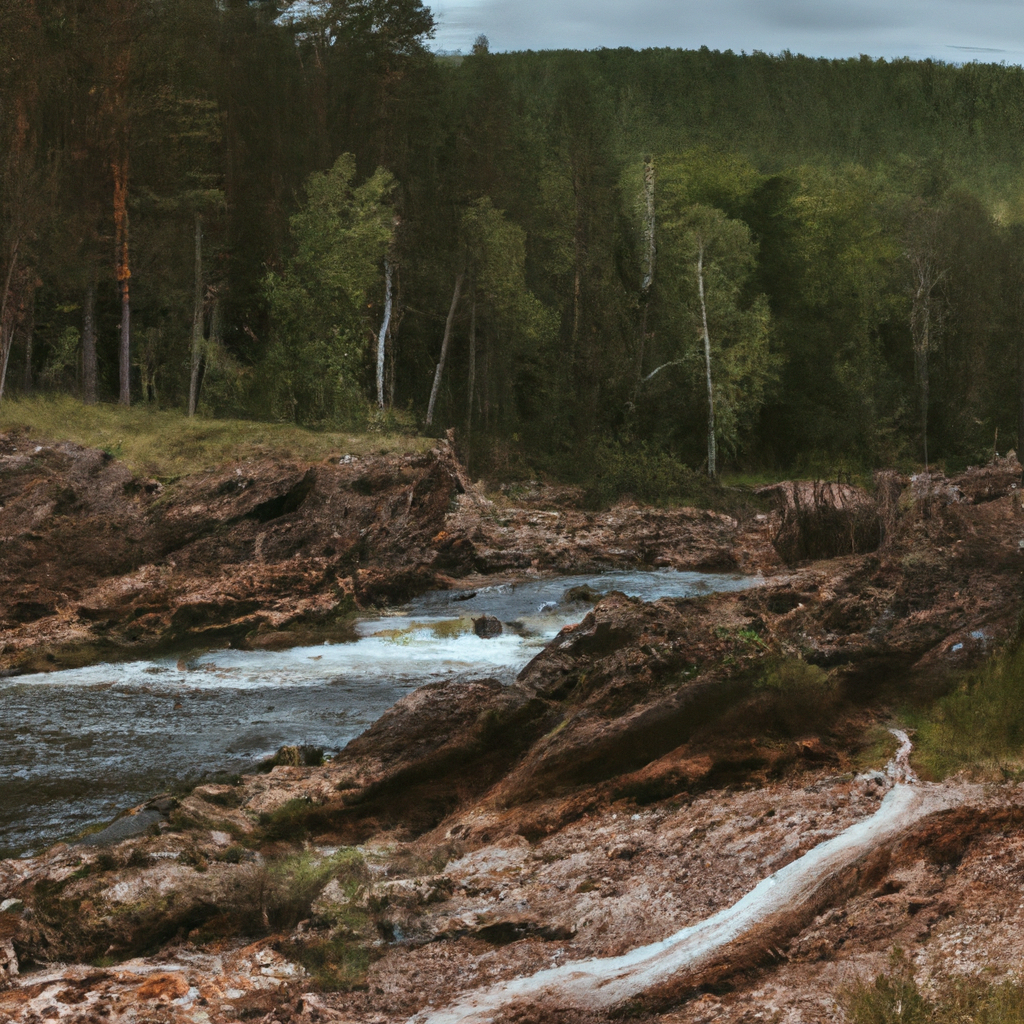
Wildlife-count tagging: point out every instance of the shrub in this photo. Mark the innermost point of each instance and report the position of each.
(800, 697)
(981, 722)
(335, 964)
(894, 998)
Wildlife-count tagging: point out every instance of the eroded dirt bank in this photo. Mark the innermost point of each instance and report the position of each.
(96, 563)
(647, 771)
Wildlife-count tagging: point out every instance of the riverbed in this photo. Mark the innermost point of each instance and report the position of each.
(78, 746)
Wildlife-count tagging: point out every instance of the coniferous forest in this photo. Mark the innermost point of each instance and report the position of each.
(585, 262)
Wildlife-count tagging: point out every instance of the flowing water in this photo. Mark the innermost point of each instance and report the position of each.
(77, 747)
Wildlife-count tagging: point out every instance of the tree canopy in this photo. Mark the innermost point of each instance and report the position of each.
(262, 207)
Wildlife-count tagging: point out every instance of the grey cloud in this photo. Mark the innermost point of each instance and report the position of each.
(829, 28)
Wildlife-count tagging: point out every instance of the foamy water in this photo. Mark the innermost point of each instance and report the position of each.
(80, 745)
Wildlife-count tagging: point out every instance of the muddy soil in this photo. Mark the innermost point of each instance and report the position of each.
(642, 774)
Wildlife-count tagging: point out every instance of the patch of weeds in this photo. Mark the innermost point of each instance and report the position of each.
(798, 697)
(336, 964)
(894, 998)
(878, 749)
(451, 628)
(304, 755)
(295, 821)
(981, 723)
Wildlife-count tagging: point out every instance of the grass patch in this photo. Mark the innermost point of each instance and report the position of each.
(981, 723)
(295, 821)
(335, 964)
(796, 698)
(168, 445)
(894, 998)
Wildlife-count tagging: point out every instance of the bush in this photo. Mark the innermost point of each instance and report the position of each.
(981, 723)
(800, 698)
(277, 894)
(894, 998)
(335, 964)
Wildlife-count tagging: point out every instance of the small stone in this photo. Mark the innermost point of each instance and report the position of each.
(11, 907)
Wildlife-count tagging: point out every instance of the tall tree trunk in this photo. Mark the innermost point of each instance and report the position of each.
(197, 322)
(444, 348)
(30, 330)
(89, 345)
(6, 324)
(920, 325)
(486, 383)
(120, 168)
(382, 337)
(648, 279)
(712, 450)
(471, 384)
(1020, 392)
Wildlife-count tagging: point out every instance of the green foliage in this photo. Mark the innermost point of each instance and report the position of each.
(796, 698)
(981, 723)
(894, 998)
(63, 359)
(296, 881)
(313, 370)
(335, 964)
(613, 469)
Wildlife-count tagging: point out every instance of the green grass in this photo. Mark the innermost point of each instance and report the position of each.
(894, 998)
(168, 445)
(980, 724)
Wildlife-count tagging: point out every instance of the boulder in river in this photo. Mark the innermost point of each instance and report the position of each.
(487, 626)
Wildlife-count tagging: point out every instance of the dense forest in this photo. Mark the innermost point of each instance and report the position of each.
(611, 262)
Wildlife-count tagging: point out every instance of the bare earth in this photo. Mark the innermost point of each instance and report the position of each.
(635, 826)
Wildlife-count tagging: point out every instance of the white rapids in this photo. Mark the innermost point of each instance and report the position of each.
(796, 892)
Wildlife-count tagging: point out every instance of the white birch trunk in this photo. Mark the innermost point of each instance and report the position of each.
(712, 451)
(382, 337)
(649, 243)
(444, 348)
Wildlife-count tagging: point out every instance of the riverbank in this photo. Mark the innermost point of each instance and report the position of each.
(646, 770)
(99, 564)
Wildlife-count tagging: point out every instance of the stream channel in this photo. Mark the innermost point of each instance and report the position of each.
(78, 746)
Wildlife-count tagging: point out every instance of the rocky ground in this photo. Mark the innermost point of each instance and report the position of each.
(646, 770)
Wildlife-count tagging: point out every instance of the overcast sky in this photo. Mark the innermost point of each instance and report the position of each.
(949, 30)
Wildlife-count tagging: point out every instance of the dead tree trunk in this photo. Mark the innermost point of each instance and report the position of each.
(120, 169)
(197, 322)
(382, 337)
(30, 330)
(6, 315)
(439, 372)
(712, 451)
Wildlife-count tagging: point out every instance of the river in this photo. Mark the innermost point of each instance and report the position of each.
(78, 746)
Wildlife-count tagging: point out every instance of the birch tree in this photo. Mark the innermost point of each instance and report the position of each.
(321, 302)
(710, 257)
(927, 272)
